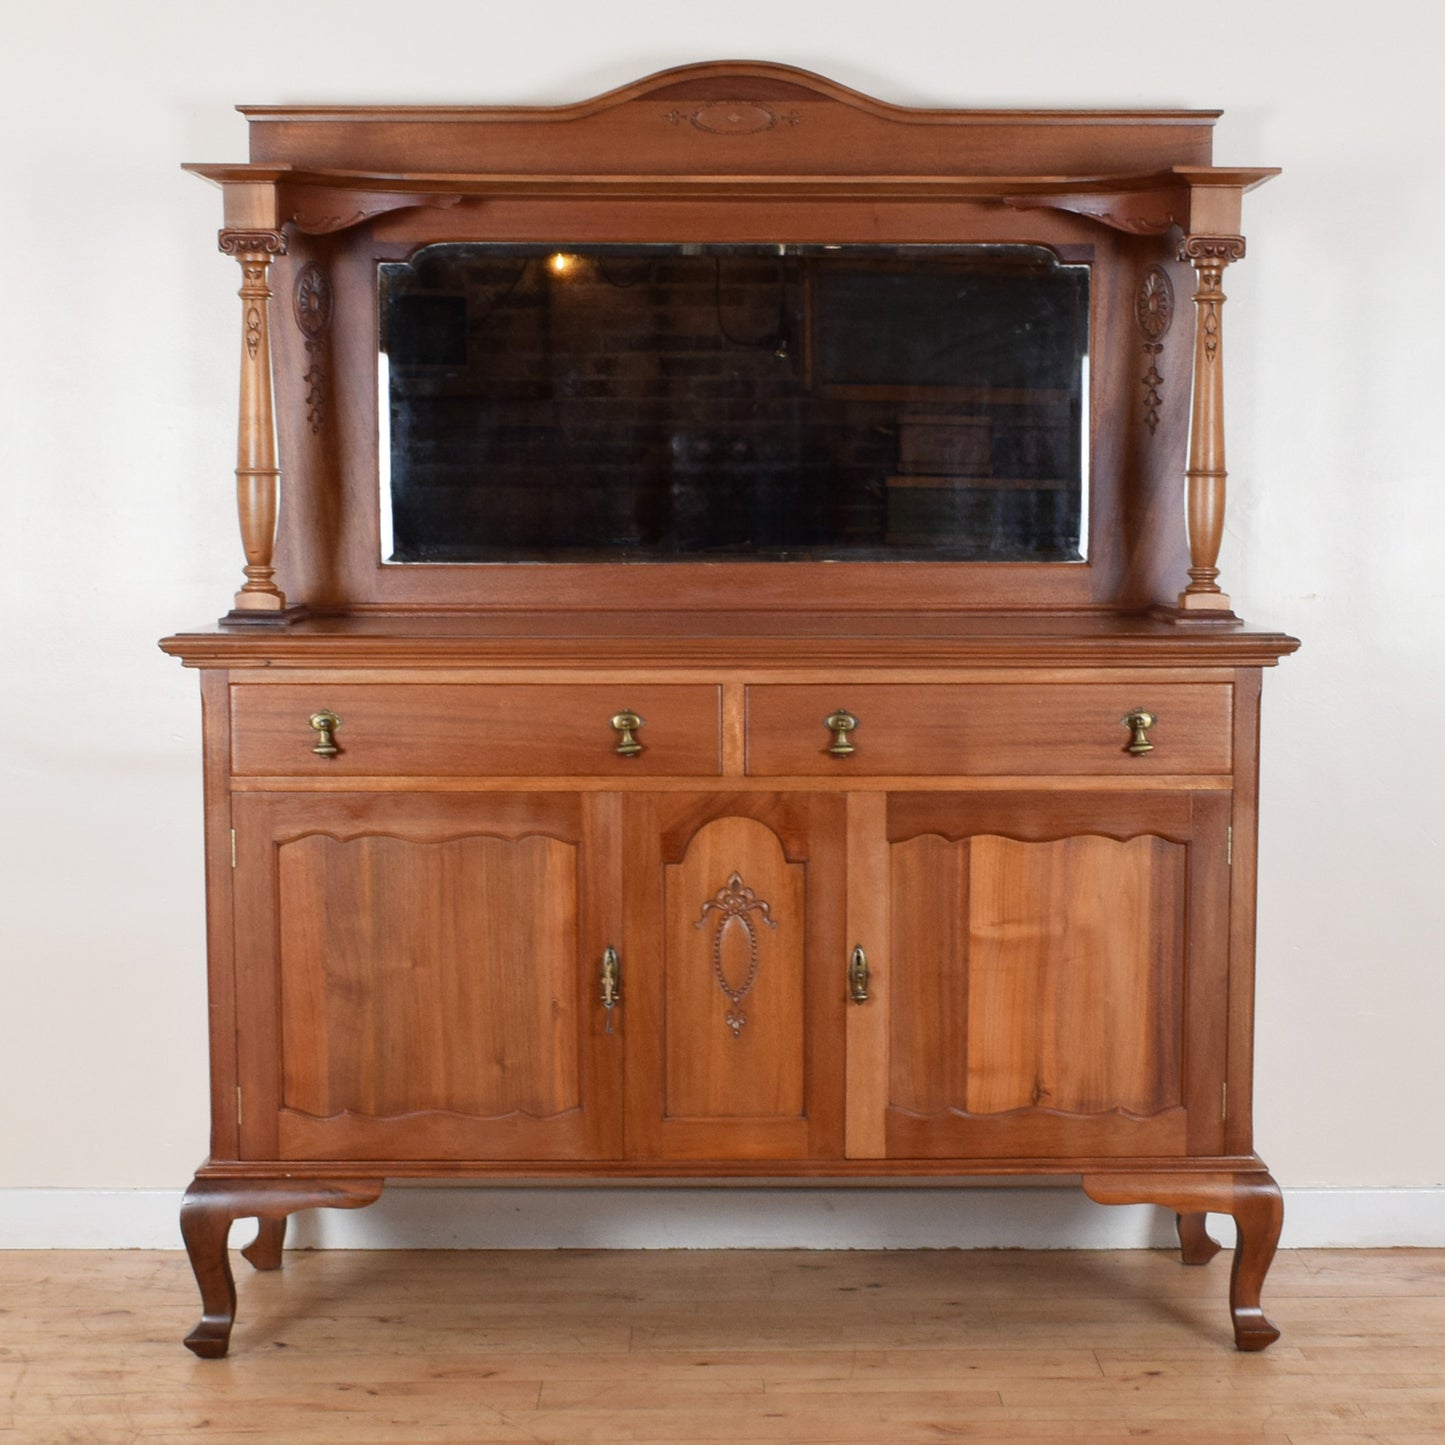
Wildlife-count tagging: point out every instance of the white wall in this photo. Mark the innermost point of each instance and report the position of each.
(117, 385)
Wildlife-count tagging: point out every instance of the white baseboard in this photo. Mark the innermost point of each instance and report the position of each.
(497, 1217)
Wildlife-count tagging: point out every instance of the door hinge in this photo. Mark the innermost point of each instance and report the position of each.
(1228, 845)
(1224, 1101)
(233, 847)
(240, 1111)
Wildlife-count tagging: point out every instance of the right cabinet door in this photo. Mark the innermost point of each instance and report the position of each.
(1053, 981)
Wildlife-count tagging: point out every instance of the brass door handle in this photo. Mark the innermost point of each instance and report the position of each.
(325, 724)
(626, 724)
(841, 723)
(858, 976)
(1139, 722)
(611, 983)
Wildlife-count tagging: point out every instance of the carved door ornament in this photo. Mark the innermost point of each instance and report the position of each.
(734, 903)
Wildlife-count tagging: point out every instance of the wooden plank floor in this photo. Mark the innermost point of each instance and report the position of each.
(731, 1347)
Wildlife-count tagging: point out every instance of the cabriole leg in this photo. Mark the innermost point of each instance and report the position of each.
(1252, 1198)
(1196, 1244)
(264, 1252)
(209, 1209)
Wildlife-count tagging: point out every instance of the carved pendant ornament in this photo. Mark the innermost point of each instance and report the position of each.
(311, 304)
(1154, 315)
(733, 906)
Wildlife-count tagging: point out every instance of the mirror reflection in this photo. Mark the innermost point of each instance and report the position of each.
(685, 402)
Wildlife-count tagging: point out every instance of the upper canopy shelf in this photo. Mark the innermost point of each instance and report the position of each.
(730, 129)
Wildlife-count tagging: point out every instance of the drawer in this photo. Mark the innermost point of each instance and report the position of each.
(474, 729)
(936, 729)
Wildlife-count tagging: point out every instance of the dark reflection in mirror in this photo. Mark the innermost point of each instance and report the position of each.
(664, 403)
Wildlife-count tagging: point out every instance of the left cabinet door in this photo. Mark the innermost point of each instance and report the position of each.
(418, 977)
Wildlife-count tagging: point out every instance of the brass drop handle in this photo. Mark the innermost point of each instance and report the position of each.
(611, 983)
(858, 976)
(325, 724)
(626, 723)
(841, 723)
(1139, 722)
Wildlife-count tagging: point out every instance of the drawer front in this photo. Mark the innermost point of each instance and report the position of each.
(474, 730)
(971, 728)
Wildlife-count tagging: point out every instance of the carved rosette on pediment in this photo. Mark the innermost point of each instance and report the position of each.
(1154, 315)
(311, 306)
(733, 117)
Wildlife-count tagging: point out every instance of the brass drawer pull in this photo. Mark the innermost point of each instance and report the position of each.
(1139, 722)
(626, 723)
(841, 724)
(858, 976)
(325, 723)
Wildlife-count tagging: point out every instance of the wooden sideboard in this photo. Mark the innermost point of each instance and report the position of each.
(853, 856)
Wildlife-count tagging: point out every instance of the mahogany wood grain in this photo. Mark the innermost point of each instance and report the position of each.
(380, 1023)
(504, 730)
(760, 645)
(1051, 954)
(996, 728)
(775, 1090)
(1239, 1118)
(220, 930)
(735, 924)
(869, 907)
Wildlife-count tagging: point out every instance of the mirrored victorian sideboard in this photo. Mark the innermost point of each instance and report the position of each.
(731, 678)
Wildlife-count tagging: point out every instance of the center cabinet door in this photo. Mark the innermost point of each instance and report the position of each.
(734, 980)
(419, 976)
(1051, 975)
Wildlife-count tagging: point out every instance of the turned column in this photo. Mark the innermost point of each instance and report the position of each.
(258, 475)
(1205, 476)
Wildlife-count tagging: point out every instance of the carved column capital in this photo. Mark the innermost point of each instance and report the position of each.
(1219, 249)
(238, 243)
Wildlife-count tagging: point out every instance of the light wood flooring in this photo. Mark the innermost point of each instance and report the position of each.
(732, 1347)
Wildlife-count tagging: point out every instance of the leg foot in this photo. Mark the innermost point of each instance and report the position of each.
(264, 1252)
(1259, 1216)
(1196, 1244)
(1252, 1197)
(211, 1206)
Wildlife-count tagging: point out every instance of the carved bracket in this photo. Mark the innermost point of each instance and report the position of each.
(322, 210)
(1136, 213)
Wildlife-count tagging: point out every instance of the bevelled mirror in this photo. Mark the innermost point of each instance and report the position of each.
(693, 402)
